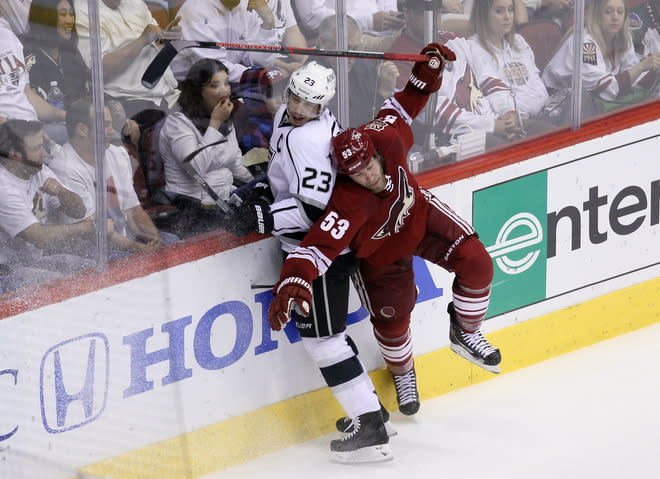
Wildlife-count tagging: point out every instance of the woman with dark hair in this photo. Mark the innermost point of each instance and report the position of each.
(204, 119)
(51, 51)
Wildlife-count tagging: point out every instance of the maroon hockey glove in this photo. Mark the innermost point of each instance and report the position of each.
(427, 76)
(291, 293)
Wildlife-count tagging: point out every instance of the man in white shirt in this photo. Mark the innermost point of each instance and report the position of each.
(129, 41)
(226, 21)
(76, 166)
(33, 204)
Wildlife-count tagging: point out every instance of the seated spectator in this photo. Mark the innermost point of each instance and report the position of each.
(370, 82)
(611, 71)
(233, 21)
(558, 12)
(76, 165)
(462, 103)
(130, 39)
(204, 120)
(259, 98)
(499, 52)
(17, 99)
(51, 51)
(288, 35)
(379, 20)
(16, 13)
(34, 243)
(645, 26)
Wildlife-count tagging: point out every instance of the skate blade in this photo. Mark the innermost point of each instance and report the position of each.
(379, 453)
(465, 355)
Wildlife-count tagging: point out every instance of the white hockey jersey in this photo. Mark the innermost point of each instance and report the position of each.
(516, 68)
(461, 100)
(600, 77)
(300, 174)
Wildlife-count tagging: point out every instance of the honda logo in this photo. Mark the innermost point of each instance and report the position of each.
(74, 382)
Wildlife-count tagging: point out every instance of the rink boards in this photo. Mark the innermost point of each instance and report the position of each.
(176, 374)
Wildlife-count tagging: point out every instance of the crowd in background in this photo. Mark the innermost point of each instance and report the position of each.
(173, 151)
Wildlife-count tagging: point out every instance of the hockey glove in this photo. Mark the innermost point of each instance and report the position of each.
(291, 293)
(251, 216)
(427, 76)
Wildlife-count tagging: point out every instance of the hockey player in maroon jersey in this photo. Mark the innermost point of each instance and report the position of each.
(378, 211)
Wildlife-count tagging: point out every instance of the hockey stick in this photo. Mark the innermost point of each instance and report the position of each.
(159, 64)
(185, 163)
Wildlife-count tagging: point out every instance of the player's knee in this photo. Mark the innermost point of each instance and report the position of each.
(473, 265)
(393, 330)
(328, 349)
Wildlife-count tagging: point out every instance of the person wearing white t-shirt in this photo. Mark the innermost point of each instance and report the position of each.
(17, 99)
(75, 164)
(232, 21)
(130, 39)
(33, 203)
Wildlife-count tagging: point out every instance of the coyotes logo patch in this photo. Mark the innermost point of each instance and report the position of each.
(589, 53)
(399, 210)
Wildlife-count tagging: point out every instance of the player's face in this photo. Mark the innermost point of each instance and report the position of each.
(372, 177)
(613, 16)
(34, 151)
(500, 18)
(65, 19)
(301, 111)
(216, 90)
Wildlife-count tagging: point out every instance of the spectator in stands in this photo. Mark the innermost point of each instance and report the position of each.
(75, 164)
(33, 242)
(204, 121)
(17, 99)
(611, 71)
(555, 11)
(462, 102)
(233, 21)
(377, 18)
(16, 13)
(498, 51)
(260, 96)
(51, 51)
(288, 35)
(130, 39)
(370, 82)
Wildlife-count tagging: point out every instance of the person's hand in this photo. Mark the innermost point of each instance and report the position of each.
(150, 34)
(52, 187)
(651, 62)
(452, 6)
(221, 112)
(508, 125)
(264, 11)
(291, 293)
(252, 216)
(387, 77)
(426, 76)
(388, 21)
(172, 31)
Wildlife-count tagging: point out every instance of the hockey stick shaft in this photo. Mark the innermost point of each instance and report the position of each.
(159, 64)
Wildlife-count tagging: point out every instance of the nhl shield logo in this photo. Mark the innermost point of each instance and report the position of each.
(589, 53)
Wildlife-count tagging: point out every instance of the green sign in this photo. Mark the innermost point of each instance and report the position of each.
(511, 219)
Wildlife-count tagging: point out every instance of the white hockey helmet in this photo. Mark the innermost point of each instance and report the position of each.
(313, 83)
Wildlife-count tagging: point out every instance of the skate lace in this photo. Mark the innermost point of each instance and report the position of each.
(406, 387)
(478, 343)
(356, 427)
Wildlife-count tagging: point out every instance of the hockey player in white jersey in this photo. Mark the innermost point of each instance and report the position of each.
(301, 178)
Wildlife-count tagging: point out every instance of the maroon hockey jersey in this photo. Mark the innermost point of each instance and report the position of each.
(380, 228)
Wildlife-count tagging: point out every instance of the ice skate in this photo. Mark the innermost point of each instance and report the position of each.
(367, 442)
(406, 392)
(345, 424)
(472, 346)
